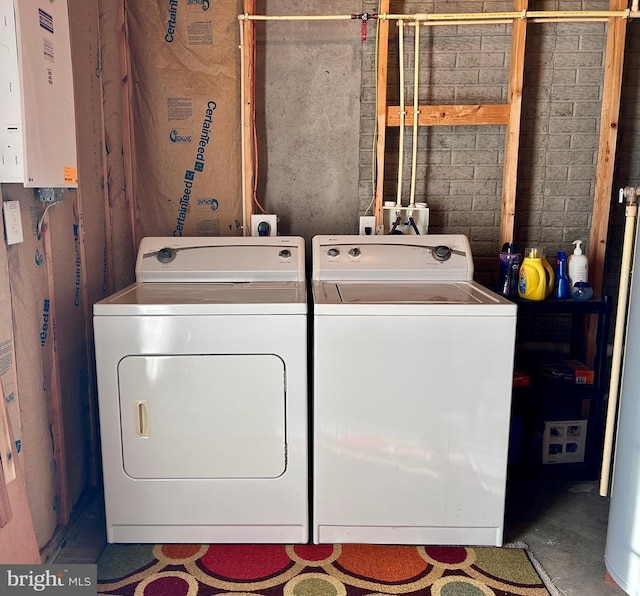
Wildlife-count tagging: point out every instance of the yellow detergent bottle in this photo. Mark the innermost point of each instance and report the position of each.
(536, 275)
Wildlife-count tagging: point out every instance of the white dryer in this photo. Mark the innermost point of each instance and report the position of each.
(202, 392)
(412, 368)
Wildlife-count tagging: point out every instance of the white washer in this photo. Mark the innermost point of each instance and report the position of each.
(413, 367)
(202, 391)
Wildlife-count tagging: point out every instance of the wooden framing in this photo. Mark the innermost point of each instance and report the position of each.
(510, 115)
(248, 108)
(451, 115)
(381, 107)
(52, 373)
(612, 86)
(7, 462)
(512, 137)
(603, 194)
(17, 537)
(460, 115)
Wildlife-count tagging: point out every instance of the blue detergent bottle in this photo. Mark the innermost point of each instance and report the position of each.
(562, 289)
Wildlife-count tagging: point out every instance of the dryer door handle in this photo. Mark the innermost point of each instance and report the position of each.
(141, 417)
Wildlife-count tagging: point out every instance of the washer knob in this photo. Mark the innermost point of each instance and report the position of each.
(441, 253)
(166, 255)
(354, 252)
(285, 254)
(333, 252)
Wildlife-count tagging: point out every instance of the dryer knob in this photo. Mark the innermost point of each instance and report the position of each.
(333, 252)
(354, 252)
(441, 253)
(285, 254)
(166, 255)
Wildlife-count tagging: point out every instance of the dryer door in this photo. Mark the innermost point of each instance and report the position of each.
(203, 416)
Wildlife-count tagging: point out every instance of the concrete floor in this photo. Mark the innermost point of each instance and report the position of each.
(563, 523)
(565, 526)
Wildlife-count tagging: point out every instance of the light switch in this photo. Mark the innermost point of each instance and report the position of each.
(12, 222)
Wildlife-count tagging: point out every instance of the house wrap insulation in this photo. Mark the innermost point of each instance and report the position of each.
(184, 102)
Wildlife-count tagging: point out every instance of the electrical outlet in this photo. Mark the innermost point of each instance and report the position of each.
(263, 224)
(50, 195)
(367, 225)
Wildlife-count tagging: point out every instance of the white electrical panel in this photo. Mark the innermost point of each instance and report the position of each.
(46, 90)
(11, 165)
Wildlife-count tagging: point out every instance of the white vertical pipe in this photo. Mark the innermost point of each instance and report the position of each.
(416, 112)
(402, 111)
(631, 212)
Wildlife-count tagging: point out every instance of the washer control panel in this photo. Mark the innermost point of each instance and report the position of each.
(428, 257)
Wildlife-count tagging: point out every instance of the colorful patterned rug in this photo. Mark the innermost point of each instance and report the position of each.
(315, 570)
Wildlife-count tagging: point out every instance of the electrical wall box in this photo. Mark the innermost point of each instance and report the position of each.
(367, 225)
(263, 224)
(50, 195)
(34, 34)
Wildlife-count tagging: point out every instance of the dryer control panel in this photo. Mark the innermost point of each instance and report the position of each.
(392, 257)
(220, 259)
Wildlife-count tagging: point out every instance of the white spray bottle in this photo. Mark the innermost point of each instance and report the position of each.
(578, 265)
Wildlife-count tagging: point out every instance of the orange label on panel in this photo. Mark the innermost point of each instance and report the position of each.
(70, 175)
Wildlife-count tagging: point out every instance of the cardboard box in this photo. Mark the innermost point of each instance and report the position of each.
(563, 441)
(521, 378)
(582, 374)
(557, 371)
(569, 371)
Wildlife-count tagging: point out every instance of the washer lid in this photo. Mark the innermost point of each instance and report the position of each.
(206, 299)
(354, 297)
(389, 293)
